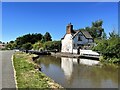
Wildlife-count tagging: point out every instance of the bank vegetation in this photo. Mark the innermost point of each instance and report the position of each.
(28, 76)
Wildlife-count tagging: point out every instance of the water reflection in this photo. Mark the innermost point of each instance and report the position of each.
(79, 73)
(67, 66)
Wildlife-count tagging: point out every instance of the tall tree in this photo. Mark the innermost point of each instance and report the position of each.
(11, 42)
(47, 37)
(31, 38)
(96, 29)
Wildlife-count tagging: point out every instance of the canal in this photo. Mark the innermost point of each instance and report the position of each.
(79, 73)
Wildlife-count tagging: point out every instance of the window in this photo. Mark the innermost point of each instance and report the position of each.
(79, 38)
(88, 40)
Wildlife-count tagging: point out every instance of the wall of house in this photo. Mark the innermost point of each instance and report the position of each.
(90, 41)
(67, 44)
(74, 50)
(75, 40)
(70, 45)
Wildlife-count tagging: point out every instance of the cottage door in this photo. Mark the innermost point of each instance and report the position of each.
(78, 50)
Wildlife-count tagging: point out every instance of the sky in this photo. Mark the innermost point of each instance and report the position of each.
(60, 0)
(20, 18)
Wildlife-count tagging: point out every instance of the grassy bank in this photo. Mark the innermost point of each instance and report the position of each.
(26, 74)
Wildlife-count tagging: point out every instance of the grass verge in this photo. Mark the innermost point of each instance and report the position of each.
(26, 74)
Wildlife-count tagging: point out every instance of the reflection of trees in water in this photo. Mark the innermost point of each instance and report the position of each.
(106, 72)
(47, 60)
(98, 74)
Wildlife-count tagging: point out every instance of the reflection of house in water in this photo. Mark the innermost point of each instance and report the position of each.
(89, 62)
(69, 64)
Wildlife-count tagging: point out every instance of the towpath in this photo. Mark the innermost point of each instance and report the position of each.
(8, 80)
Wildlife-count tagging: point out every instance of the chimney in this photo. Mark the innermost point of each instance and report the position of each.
(69, 28)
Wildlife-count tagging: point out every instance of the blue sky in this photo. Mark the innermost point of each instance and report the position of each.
(37, 17)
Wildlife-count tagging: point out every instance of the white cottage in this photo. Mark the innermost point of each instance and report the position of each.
(73, 40)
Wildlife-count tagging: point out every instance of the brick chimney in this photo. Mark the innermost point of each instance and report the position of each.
(69, 28)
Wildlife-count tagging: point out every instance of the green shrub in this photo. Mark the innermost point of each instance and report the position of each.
(38, 45)
(110, 49)
(27, 46)
(50, 45)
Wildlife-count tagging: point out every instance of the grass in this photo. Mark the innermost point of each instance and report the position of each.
(26, 74)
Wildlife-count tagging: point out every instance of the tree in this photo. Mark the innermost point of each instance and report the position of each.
(37, 45)
(27, 46)
(51, 45)
(11, 42)
(47, 36)
(43, 39)
(110, 48)
(96, 29)
(11, 45)
(31, 38)
(0, 41)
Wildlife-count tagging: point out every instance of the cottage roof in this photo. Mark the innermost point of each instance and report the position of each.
(84, 32)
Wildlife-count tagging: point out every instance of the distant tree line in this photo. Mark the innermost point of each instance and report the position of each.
(2, 42)
(35, 41)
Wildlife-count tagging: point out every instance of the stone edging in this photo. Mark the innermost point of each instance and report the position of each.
(14, 73)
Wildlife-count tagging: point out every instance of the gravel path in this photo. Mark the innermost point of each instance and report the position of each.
(8, 80)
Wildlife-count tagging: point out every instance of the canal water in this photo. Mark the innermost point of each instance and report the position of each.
(79, 73)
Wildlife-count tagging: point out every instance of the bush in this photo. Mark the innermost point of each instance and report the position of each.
(27, 46)
(37, 45)
(110, 49)
(51, 45)
(114, 60)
